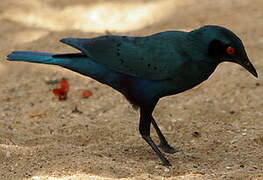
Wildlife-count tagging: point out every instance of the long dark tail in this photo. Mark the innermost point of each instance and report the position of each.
(39, 57)
(76, 62)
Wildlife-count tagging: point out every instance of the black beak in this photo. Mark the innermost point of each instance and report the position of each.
(248, 66)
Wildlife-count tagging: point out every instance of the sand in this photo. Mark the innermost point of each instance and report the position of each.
(218, 126)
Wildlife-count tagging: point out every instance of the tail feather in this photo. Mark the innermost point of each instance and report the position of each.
(76, 62)
(37, 57)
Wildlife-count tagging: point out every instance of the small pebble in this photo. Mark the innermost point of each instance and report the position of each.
(232, 112)
(8, 154)
(126, 149)
(196, 134)
(76, 110)
(166, 169)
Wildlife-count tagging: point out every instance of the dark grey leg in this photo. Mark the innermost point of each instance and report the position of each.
(144, 128)
(163, 142)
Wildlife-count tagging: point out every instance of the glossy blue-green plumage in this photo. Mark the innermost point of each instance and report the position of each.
(144, 69)
(144, 57)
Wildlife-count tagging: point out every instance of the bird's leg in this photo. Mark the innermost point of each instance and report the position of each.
(163, 142)
(144, 128)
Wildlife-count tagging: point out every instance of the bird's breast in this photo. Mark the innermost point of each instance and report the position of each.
(191, 76)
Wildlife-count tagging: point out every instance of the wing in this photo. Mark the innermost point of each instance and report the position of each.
(157, 57)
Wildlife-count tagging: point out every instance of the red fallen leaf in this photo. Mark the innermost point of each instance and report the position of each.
(86, 93)
(63, 90)
(64, 84)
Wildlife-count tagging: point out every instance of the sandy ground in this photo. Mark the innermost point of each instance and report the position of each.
(43, 138)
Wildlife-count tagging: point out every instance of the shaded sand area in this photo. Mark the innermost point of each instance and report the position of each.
(218, 126)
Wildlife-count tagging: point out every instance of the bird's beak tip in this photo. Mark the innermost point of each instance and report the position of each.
(249, 66)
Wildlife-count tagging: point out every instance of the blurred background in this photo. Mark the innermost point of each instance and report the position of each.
(41, 137)
(35, 19)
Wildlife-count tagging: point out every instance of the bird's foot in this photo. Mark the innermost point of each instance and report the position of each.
(167, 148)
(167, 163)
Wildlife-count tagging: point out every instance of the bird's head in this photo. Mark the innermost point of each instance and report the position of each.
(224, 45)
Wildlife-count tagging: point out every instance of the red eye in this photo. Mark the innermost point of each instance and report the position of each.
(230, 50)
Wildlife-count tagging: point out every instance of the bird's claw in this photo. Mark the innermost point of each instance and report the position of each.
(167, 148)
(167, 164)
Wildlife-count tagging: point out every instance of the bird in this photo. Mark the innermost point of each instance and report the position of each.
(147, 68)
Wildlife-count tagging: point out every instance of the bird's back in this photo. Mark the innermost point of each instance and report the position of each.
(156, 57)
